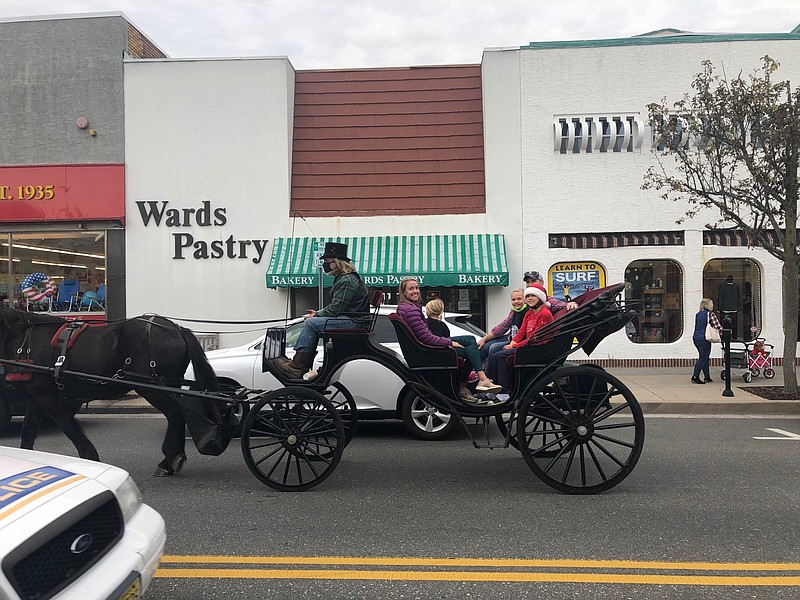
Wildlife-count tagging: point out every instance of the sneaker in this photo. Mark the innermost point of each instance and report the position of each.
(502, 397)
(473, 377)
(489, 386)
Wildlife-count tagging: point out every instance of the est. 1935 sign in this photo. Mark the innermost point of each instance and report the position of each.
(187, 245)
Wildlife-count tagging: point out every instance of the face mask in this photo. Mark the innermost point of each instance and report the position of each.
(327, 267)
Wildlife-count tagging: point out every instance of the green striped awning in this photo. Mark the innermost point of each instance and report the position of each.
(437, 260)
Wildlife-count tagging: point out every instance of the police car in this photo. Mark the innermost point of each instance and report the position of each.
(73, 529)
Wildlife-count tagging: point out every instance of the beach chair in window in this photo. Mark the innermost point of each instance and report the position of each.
(94, 300)
(67, 292)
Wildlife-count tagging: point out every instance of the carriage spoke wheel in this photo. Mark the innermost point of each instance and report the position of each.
(345, 404)
(580, 430)
(292, 439)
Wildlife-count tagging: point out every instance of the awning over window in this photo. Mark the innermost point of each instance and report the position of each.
(437, 260)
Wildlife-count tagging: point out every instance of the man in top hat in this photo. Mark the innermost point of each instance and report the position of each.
(554, 304)
(348, 295)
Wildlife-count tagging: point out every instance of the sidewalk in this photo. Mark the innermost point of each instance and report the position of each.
(658, 390)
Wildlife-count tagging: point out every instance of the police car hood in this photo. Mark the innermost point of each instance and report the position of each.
(33, 481)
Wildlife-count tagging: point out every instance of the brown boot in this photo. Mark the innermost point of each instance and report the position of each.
(466, 396)
(299, 365)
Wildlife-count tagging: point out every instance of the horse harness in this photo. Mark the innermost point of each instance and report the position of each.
(63, 341)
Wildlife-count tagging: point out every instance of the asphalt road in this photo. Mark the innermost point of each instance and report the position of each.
(709, 512)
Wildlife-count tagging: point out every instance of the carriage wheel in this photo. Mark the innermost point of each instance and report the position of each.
(583, 430)
(769, 373)
(292, 439)
(345, 404)
(504, 419)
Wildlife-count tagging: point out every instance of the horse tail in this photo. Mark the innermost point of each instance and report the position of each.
(203, 372)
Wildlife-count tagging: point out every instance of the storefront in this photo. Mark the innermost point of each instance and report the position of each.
(61, 233)
(455, 268)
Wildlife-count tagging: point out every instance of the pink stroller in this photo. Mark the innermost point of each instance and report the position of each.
(759, 359)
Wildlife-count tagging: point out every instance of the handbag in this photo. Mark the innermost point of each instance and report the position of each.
(712, 335)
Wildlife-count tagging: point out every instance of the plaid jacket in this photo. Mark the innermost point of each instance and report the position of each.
(348, 295)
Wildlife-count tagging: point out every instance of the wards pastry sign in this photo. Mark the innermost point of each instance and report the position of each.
(187, 245)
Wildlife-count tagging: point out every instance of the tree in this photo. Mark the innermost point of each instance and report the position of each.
(735, 146)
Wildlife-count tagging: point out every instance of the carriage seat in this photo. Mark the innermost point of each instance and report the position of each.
(375, 301)
(420, 356)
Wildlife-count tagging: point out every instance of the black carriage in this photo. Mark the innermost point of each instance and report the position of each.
(579, 429)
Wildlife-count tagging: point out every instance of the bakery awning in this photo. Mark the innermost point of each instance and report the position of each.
(437, 260)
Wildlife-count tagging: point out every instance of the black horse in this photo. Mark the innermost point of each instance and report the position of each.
(146, 349)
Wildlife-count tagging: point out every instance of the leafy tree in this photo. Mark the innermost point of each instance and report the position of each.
(735, 145)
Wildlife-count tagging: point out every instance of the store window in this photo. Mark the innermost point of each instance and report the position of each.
(656, 288)
(734, 285)
(74, 263)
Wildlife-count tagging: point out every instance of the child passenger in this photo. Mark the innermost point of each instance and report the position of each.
(434, 309)
(537, 316)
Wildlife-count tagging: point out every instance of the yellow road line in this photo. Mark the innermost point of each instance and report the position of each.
(479, 562)
(611, 578)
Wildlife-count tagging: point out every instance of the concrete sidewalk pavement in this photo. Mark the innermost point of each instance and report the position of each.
(666, 390)
(669, 390)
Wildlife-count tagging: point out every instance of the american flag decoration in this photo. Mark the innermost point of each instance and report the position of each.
(38, 286)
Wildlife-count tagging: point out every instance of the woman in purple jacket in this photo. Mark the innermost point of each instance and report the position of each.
(410, 310)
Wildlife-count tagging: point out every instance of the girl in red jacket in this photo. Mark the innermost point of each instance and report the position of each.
(537, 316)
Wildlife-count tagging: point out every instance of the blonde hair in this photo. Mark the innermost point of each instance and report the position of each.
(344, 266)
(434, 308)
(401, 289)
(706, 304)
(520, 290)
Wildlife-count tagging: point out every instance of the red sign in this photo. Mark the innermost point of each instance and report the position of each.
(62, 193)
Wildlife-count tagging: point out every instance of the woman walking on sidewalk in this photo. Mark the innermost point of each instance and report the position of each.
(704, 316)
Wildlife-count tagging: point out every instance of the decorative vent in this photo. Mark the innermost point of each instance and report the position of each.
(733, 237)
(612, 133)
(583, 241)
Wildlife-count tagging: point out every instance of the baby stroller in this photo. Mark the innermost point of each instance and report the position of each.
(752, 358)
(759, 358)
(739, 360)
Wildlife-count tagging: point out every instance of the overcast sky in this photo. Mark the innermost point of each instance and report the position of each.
(328, 34)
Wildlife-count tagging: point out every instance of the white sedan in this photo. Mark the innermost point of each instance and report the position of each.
(378, 392)
(73, 529)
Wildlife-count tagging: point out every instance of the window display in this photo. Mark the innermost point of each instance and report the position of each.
(656, 288)
(734, 284)
(74, 263)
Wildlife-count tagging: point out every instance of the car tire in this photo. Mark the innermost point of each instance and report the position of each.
(424, 421)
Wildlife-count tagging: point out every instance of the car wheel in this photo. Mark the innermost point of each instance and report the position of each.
(425, 421)
(5, 412)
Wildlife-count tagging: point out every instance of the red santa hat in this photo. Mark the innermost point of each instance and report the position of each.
(538, 291)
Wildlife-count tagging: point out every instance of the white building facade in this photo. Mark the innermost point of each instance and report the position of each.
(548, 108)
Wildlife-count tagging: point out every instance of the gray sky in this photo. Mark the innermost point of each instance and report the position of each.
(328, 34)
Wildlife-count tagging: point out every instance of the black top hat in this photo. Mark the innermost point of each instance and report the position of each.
(335, 250)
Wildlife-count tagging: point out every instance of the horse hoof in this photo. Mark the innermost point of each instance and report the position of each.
(177, 464)
(162, 472)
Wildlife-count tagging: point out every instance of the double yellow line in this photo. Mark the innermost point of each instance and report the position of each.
(481, 569)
